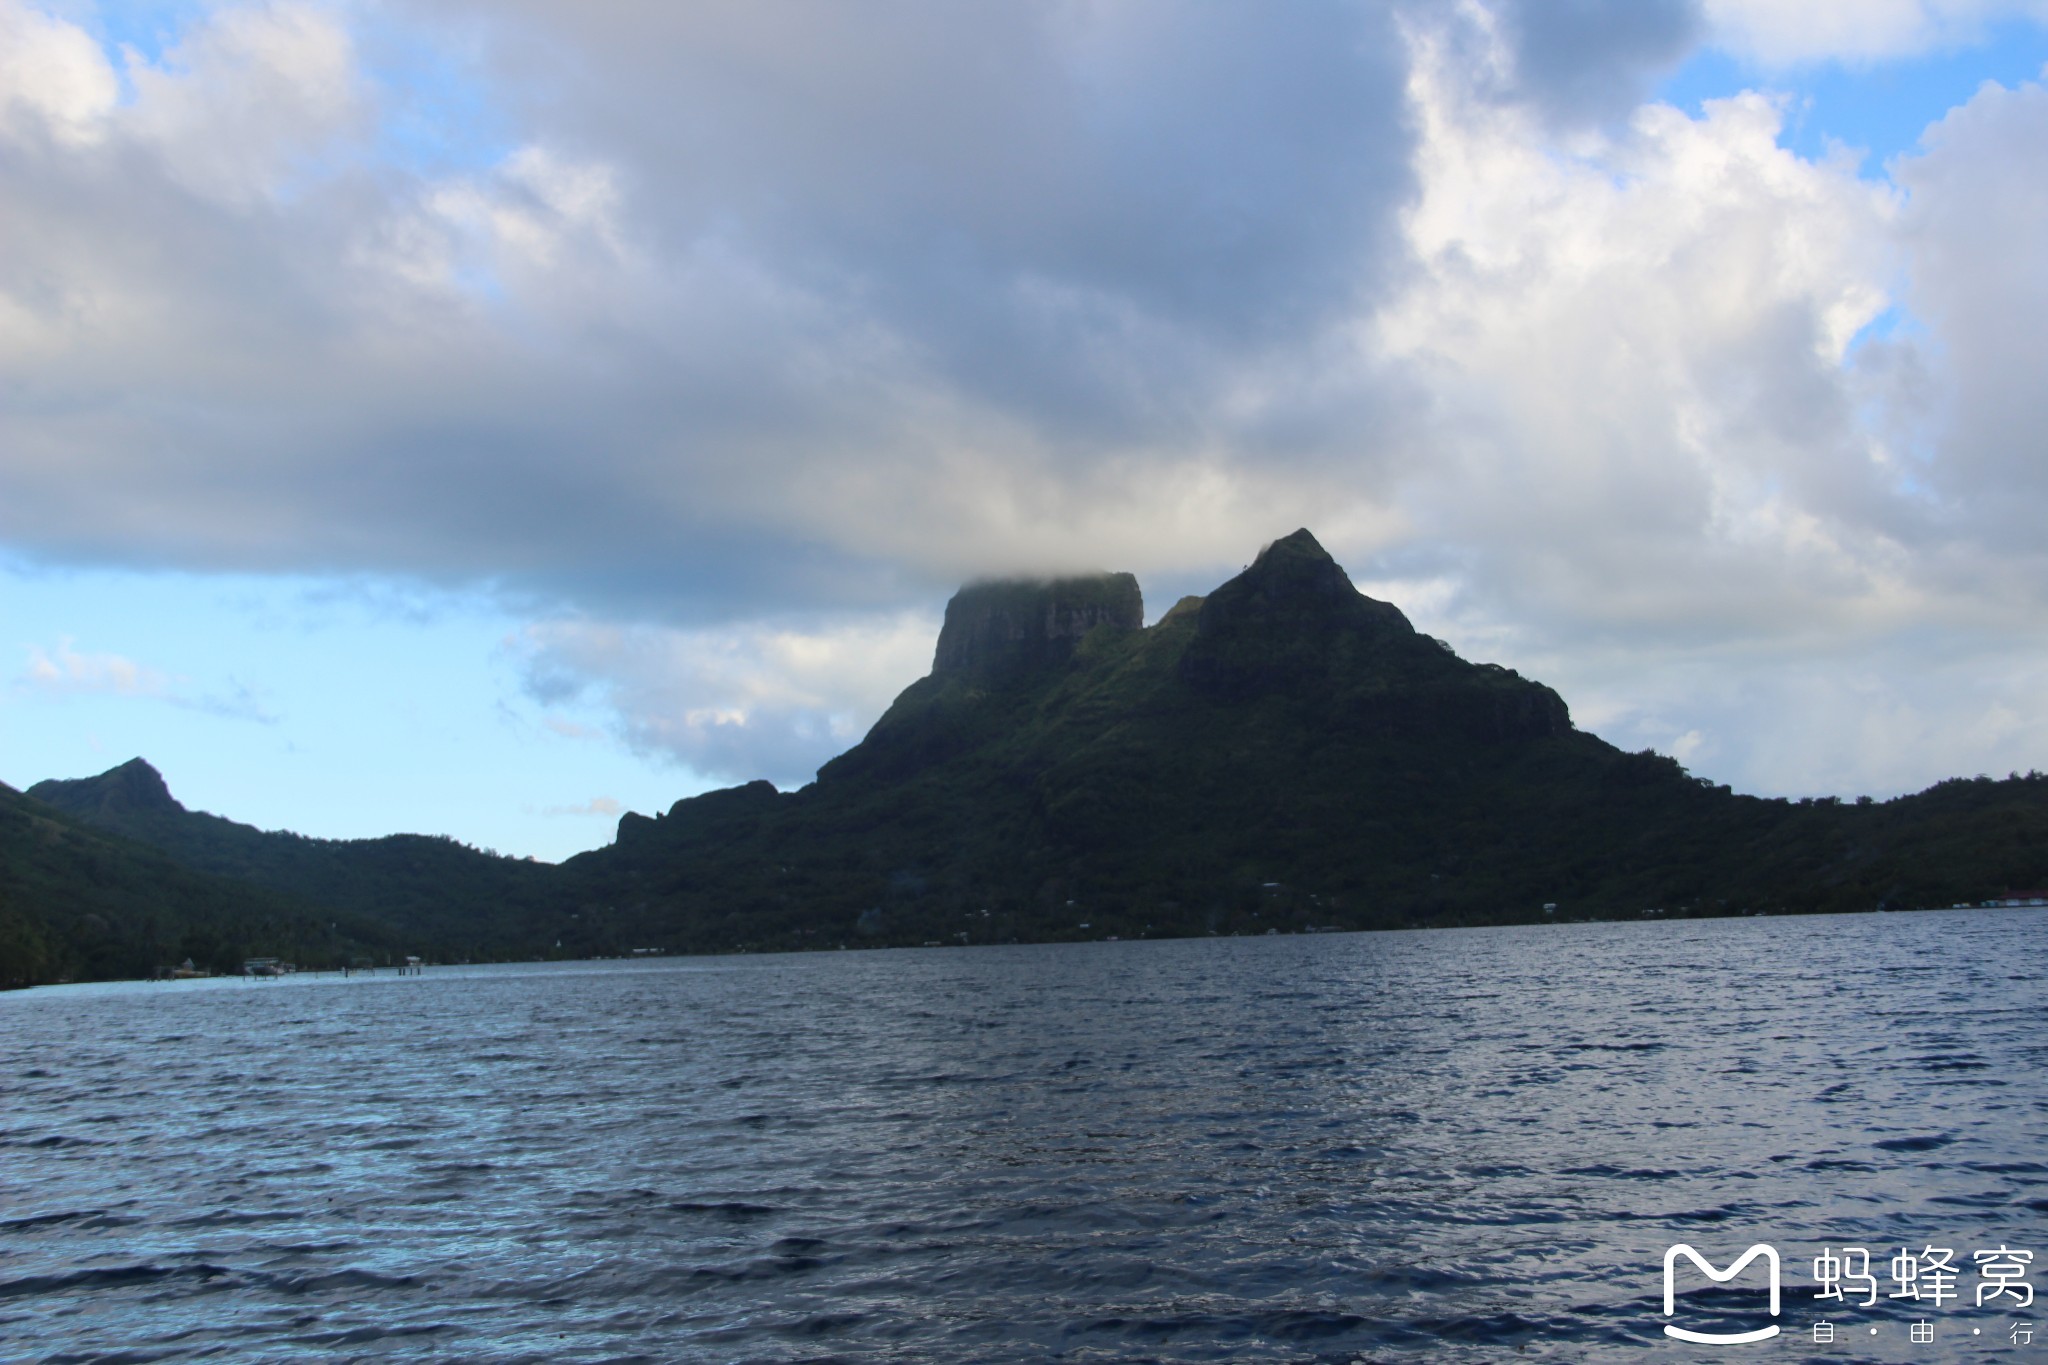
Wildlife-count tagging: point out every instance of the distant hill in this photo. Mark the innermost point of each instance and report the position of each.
(432, 893)
(1285, 754)
(79, 903)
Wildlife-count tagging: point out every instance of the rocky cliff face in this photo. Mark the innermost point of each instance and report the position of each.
(1007, 628)
(1000, 638)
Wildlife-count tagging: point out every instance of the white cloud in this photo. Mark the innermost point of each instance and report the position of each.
(737, 318)
(1856, 30)
(1685, 746)
(1977, 212)
(536, 216)
(733, 704)
(54, 80)
(247, 97)
(1649, 418)
(1884, 717)
(66, 671)
(752, 316)
(1669, 473)
(595, 806)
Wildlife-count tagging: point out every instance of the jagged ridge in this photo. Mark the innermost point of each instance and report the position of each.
(1283, 753)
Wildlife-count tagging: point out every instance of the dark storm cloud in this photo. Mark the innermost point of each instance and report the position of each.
(1208, 164)
(758, 308)
(766, 306)
(1081, 216)
(754, 313)
(1591, 60)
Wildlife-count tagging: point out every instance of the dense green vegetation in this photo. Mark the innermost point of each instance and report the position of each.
(433, 895)
(80, 904)
(1282, 755)
(1285, 754)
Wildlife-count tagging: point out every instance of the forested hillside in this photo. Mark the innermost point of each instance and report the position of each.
(1285, 754)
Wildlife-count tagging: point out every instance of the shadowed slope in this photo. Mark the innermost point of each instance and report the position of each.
(80, 903)
(1283, 754)
(439, 895)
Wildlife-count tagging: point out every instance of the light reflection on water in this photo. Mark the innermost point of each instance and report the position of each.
(1451, 1145)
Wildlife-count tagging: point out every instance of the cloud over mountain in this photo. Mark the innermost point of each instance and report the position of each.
(671, 325)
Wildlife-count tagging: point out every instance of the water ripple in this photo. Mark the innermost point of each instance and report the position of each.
(1456, 1146)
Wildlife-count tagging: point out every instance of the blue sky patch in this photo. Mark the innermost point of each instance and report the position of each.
(438, 117)
(1881, 108)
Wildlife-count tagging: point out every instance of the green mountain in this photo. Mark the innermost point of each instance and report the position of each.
(78, 903)
(1284, 754)
(430, 893)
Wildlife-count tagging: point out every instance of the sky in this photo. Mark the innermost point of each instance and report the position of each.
(484, 419)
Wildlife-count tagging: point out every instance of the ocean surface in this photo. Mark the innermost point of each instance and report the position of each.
(1458, 1145)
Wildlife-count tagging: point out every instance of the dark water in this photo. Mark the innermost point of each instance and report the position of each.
(1461, 1145)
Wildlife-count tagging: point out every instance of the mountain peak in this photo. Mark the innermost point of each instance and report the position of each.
(1282, 618)
(1299, 544)
(1297, 566)
(132, 786)
(1003, 627)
